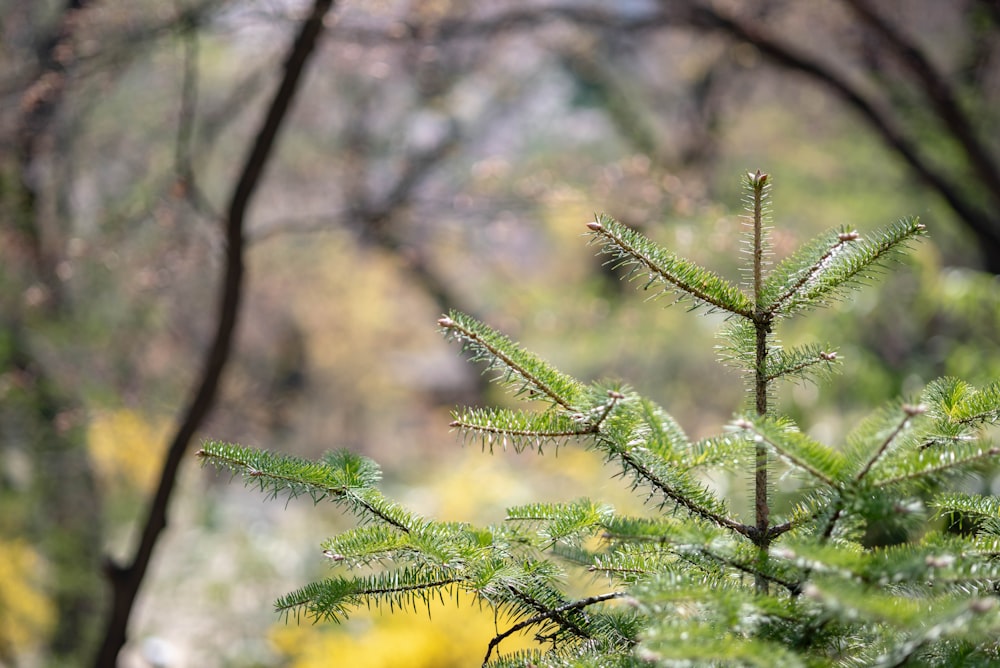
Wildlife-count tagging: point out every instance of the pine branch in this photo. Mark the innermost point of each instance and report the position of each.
(525, 430)
(806, 362)
(848, 261)
(708, 621)
(520, 429)
(924, 465)
(562, 522)
(332, 599)
(701, 546)
(977, 619)
(757, 201)
(982, 512)
(630, 562)
(544, 616)
(793, 274)
(909, 412)
(960, 404)
(679, 489)
(725, 452)
(677, 275)
(658, 432)
(550, 607)
(750, 564)
(345, 478)
(519, 369)
(365, 545)
(821, 462)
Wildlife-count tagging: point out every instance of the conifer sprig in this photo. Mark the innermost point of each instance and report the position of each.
(822, 462)
(344, 477)
(334, 599)
(572, 606)
(979, 514)
(519, 369)
(522, 430)
(675, 275)
(847, 260)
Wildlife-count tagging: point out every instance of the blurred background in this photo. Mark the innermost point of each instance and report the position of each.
(439, 154)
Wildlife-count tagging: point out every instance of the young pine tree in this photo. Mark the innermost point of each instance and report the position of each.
(691, 582)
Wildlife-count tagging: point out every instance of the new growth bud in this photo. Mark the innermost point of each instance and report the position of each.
(446, 322)
(849, 236)
(595, 226)
(757, 180)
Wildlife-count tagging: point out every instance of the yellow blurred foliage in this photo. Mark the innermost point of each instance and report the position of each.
(126, 448)
(451, 636)
(26, 615)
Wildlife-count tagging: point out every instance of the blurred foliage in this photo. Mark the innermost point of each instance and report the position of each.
(27, 615)
(126, 449)
(450, 634)
(515, 136)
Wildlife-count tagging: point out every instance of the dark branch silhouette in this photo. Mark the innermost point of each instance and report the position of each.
(126, 580)
(938, 92)
(985, 226)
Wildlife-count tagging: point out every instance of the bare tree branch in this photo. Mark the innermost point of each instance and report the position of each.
(939, 93)
(186, 181)
(125, 581)
(984, 226)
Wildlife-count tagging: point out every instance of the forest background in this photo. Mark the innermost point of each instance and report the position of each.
(241, 219)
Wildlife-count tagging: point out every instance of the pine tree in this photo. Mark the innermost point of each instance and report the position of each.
(690, 583)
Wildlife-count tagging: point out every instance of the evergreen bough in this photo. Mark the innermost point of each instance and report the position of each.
(693, 583)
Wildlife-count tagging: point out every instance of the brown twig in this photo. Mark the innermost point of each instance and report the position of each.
(939, 93)
(126, 580)
(983, 225)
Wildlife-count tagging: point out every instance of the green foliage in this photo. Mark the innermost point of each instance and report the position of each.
(692, 582)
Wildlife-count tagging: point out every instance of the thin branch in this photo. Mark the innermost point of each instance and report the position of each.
(292, 480)
(801, 366)
(666, 276)
(791, 457)
(909, 413)
(813, 270)
(794, 588)
(379, 591)
(125, 581)
(779, 529)
(885, 126)
(940, 94)
(448, 323)
(186, 182)
(539, 435)
(990, 452)
(574, 605)
(683, 501)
